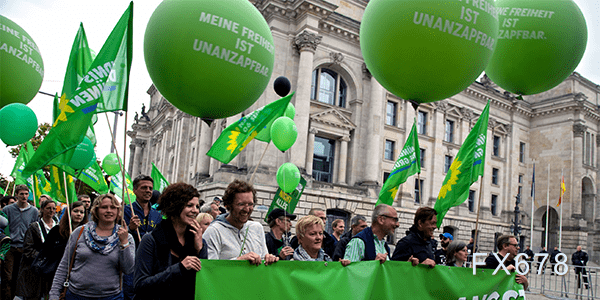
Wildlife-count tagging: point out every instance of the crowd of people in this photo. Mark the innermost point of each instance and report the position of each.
(102, 249)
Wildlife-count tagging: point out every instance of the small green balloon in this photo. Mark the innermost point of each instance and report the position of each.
(284, 133)
(84, 152)
(110, 164)
(21, 65)
(211, 59)
(427, 50)
(18, 123)
(92, 161)
(290, 111)
(288, 177)
(540, 43)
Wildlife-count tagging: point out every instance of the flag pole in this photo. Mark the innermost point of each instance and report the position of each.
(477, 220)
(547, 206)
(123, 183)
(532, 206)
(560, 193)
(33, 188)
(67, 199)
(259, 161)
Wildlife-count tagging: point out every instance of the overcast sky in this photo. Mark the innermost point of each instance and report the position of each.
(53, 24)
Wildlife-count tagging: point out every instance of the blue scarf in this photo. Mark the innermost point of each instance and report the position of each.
(101, 245)
(301, 255)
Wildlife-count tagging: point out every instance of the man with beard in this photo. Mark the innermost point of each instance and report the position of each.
(440, 254)
(233, 235)
(507, 245)
(357, 224)
(370, 244)
(416, 245)
(278, 240)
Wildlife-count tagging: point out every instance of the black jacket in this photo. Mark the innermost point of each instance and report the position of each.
(340, 247)
(579, 258)
(413, 244)
(274, 245)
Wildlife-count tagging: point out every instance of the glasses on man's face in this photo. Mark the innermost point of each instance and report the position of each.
(515, 245)
(244, 205)
(393, 218)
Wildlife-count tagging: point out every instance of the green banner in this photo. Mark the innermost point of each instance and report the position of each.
(116, 186)
(160, 182)
(287, 201)
(360, 280)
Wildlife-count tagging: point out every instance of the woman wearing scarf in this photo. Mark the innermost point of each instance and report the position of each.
(169, 257)
(310, 239)
(104, 250)
(29, 284)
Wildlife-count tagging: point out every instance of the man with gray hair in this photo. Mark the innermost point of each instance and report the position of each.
(370, 244)
(357, 224)
(210, 208)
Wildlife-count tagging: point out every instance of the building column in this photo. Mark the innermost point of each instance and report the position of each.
(139, 144)
(343, 159)
(306, 43)
(310, 150)
(374, 131)
(578, 156)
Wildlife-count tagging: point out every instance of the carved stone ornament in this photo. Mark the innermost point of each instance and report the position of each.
(366, 71)
(167, 125)
(336, 58)
(579, 130)
(307, 41)
(467, 113)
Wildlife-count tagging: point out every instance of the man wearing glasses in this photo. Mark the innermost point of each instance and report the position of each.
(507, 245)
(233, 235)
(370, 244)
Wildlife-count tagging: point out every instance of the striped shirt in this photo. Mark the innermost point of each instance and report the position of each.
(355, 250)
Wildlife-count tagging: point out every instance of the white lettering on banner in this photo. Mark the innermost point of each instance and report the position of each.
(22, 56)
(230, 56)
(482, 5)
(455, 29)
(233, 26)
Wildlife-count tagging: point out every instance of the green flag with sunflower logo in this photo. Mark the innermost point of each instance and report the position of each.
(466, 168)
(236, 136)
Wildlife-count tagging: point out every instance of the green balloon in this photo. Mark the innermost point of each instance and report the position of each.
(110, 164)
(84, 152)
(18, 123)
(92, 161)
(288, 177)
(21, 66)
(211, 59)
(283, 133)
(427, 50)
(540, 43)
(290, 111)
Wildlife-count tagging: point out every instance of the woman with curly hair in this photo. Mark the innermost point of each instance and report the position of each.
(169, 257)
(100, 247)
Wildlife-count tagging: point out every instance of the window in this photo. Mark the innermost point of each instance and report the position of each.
(418, 186)
(471, 200)
(389, 150)
(328, 87)
(522, 152)
(422, 122)
(447, 163)
(496, 149)
(390, 118)
(495, 176)
(494, 205)
(520, 191)
(323, 159)
(422, 154)
(520, 178)
(449, 134)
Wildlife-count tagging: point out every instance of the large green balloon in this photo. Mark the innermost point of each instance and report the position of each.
(18, 123)
(21, 66)
(211, 59)
(83, 155)
(427, 50)
(110, 164)
(288, 177)
(283, 133)
(540, 43)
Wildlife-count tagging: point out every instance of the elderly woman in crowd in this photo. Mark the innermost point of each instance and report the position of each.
(456, 254)
(169, 257)
(309, 230)
(96, 255)
(29, 284)
(204, 219)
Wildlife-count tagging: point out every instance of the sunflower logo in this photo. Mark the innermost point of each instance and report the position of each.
(454, 172)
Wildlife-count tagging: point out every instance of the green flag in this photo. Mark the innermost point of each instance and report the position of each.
(116, 186)
(465, 169)
(78, 107)
(408, 163)
(160, 182)
(94, 177)
(18, 168)
(236, 136)
(57, 186)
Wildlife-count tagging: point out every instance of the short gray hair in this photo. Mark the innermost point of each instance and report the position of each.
(378, 211)
(206, 207)
(357, 220)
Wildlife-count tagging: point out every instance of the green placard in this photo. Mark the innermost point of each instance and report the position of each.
(287, 201)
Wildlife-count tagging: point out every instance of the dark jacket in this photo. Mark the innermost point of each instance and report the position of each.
(440, 256)
(529, 254)
(29, 283)
(413, 244)
(158, 274)
(579, 258)
(274, 245)
(540, 258)
(492, 263)
(328, 243)
(369, 239)
(553, 256)
(340, 247)
(147, 223)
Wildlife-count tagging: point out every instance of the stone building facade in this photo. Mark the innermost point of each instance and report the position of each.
(351, 130)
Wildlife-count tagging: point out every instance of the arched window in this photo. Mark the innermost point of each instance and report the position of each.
(328, 87)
